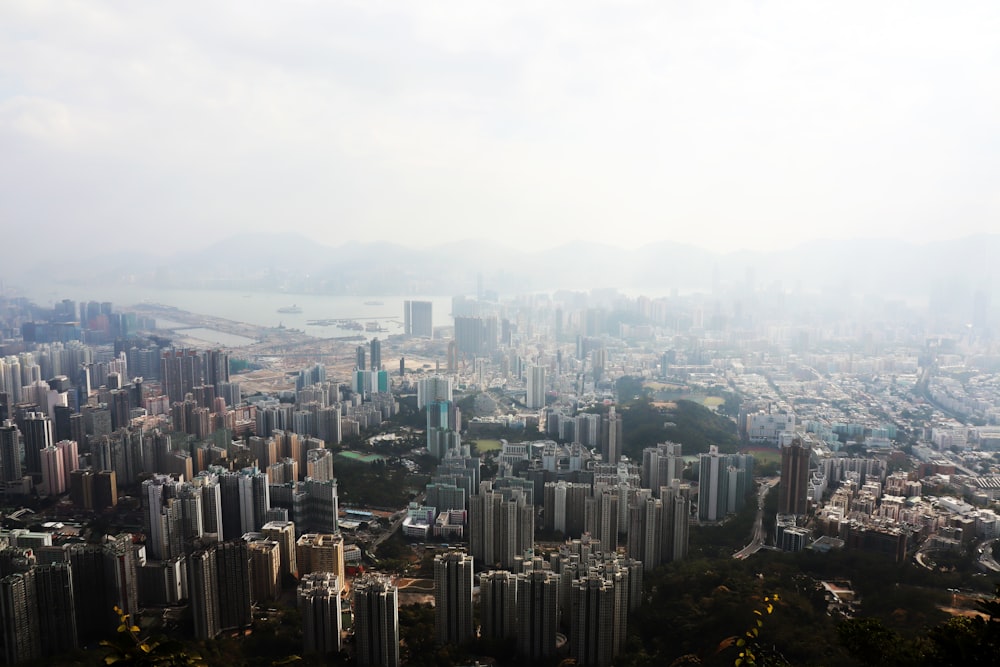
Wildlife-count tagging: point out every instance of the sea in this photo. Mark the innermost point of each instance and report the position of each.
(385, 313)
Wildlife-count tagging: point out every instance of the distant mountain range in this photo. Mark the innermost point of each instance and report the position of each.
(297, 264)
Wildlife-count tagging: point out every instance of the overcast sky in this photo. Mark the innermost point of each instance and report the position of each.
(729, 125)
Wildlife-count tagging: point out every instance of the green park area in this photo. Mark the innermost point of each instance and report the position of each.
(484, 445)
(360, 457)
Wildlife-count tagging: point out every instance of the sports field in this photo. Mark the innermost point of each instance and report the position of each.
(485, 445)
(359, 457)
(764, 455)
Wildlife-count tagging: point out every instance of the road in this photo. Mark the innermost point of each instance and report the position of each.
(757, 539)
(986, 560)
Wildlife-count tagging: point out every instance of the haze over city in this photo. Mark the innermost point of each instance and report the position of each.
(750, 126)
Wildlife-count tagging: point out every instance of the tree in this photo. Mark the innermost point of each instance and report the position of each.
(128, 648)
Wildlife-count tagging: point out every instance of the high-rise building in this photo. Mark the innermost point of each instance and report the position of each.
(321, 552)
(216, 368)
(37, 436)
(56, 608)
(233, 576)
(602, 517)
(723, 483)
(376, 353)
(10, 452)
(204, 590)
(376, 622)
(181, 371)
(417, 319)
(676, 516)
(443, 417)
(453, 621)
(163, 517)
(537, 611)
(535, 397)
(53, 472)
(713, 490)
(19, 613)
(359, 363)
(283, 532)
(660, 465)
(252, 498)
(318, 596)
(120, 409)
(592, 620)
(498, 604)
(104, 576)
(105, 490)
(476, 336)
(501, 528)
(612, 438)
(265, 568)
(565, 505)
(70, 453)
(645, 529)
(793, 489)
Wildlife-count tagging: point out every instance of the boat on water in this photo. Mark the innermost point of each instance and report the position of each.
(292, 309)
(373, 326)
(374, 303)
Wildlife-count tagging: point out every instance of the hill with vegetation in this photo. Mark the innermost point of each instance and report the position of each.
(691, 424)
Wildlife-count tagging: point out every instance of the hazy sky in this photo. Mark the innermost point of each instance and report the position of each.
(733, 125)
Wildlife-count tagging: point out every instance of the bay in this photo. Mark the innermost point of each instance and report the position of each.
(260, 308)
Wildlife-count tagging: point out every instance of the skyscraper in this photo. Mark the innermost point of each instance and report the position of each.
(37, 436)
(321, 552)
(674, 534)
(254, 499)
(417, 319)
(612, 438)
(283, 532)
(162, 516)
(645, 529)
(56, 608)
(713, 489)
(265, 568)
(359, 363)
(443, 417)
(376, 622)
(318, 596)
(204, 588)
(104, 576)
(537, 611)
(535, 397)
(565, 506)
(475, 336)
(19, 613)
(660, 465)
(453, 597)
(498, 604)
(592, 620)
(53, 472)
(10, 452)
(233, 576)
(793, 490)
(501, 528)
(602, 517)
(181, 371)
(376, 353)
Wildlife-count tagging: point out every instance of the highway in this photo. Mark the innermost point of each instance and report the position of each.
(758, 537)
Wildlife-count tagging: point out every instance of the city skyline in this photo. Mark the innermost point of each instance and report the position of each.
(745, 127)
